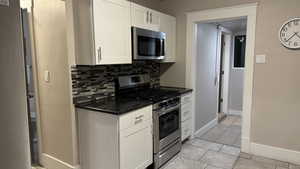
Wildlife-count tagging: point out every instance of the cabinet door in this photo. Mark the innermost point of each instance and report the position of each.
(154, 20)
(139, 16)
(168, 25)
(112, 31)
(136, 146)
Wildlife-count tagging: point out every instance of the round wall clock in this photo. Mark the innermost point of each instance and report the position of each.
(289, 34)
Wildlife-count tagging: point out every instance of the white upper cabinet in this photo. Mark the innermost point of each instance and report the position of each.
(168, 26)
(101, 31)
(145, 18)
(112, 31)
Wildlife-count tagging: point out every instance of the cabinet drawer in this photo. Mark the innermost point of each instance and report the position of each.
(187, 98)
(186, 129)
(135, 117)
(186, 111)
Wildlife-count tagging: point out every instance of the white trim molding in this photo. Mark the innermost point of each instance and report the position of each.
(235, 112)
(206, 127)
(51, 162)
(220, 14)
(276, 153)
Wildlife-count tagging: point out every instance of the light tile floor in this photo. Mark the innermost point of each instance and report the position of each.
(227, 132)
(201, 154)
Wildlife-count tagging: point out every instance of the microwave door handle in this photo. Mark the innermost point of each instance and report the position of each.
(150, 17)
(162, 46)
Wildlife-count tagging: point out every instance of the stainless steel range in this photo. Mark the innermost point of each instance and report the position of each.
(167, 128)
(166, 114)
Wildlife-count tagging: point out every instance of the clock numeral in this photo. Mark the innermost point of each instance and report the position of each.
(283, 35)
(284, 29)
(289, 24)
(295, 43)
(296, 23)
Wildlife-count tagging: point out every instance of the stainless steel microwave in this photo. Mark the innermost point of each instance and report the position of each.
(147, 44)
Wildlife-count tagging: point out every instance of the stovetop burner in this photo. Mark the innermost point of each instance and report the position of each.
(153, 94)
(139, 86)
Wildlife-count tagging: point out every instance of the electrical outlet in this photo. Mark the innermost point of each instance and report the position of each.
(4, 2)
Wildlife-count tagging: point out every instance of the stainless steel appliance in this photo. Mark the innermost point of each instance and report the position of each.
(167, 130)
(147, 44)
(166, 114)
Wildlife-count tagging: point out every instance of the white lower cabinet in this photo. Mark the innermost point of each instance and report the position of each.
(135, 149)
(186, 129)
(115, 142)
(186, 116)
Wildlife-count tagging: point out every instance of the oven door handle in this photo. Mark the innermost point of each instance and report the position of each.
(168, 110)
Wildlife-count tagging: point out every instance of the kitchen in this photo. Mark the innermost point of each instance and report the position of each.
(126, 119)
(113, 75)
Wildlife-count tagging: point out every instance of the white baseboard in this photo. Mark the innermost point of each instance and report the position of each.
(276, 153)
(234, 112)
(205, 128)
(51, 162)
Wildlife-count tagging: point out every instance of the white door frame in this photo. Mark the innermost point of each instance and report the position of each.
(234, 12)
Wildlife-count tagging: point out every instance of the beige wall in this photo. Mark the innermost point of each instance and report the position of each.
(54, 97)
(275, 114)
(14, 141)
(276, 103)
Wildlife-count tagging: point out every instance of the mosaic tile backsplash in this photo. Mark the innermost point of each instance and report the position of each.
(90, 82)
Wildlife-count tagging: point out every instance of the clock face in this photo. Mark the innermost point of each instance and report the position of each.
(289, 34)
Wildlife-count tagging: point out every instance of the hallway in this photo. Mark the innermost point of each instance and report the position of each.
(227, 132)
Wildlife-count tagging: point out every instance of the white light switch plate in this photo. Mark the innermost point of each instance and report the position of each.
(4, 2)
(47, 76)
(261, 59)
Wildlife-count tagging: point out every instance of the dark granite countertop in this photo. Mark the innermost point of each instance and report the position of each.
(180, 90)
(124, 104)
(114, 105)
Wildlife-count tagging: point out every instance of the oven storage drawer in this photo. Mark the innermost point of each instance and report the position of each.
(186, 98)
(186, 111)
(186, 129)
(135, 118)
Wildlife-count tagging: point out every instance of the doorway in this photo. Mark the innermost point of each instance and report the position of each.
(247, 11)
(31, 94)
(218, 82)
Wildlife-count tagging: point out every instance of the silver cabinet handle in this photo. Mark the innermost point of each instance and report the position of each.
(138, 119)
(99, 53)
(147, 20)
(150, 17)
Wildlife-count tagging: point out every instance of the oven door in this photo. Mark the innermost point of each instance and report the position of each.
(169, 127)
(148, 45)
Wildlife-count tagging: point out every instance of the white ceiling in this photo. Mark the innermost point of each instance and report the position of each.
(234, 25)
